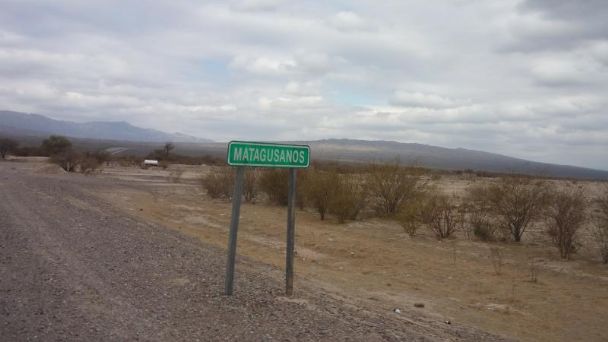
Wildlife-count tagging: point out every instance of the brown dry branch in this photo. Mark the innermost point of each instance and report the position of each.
(600, 229)
(565, 215)
(514, 203)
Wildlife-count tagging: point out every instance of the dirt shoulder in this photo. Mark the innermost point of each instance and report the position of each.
(73, 267)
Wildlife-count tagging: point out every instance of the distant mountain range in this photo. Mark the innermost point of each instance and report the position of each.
(134, 140)
(442, 158)
(37, 125)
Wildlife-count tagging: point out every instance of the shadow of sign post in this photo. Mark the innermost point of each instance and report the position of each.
(242, 154)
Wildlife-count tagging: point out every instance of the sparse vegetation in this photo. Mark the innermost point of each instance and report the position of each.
(565, 215)
(600, 229)
(349, 200)
(87, 164)
(250, 185)
(274, 182)
(441, 215)
(67, 160)
(219, 183)
(389, 186)
(514, 203)
(167, 148)
(55, 145)
(320, 189)
(7, 145)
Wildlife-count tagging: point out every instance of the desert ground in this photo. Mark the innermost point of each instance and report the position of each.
(131, 253)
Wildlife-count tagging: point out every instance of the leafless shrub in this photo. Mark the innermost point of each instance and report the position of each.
(478, 221)
(348, 200)
(441, 215)
(320, 189)
(515, 202)
(565, 214)
(67, 160)
(250, 185)
(389, 186)
(409, 217)
(600, 229)
(7, 145)
(496, 259)
(219, 183)
(88, 164)
(482, 227)
(274, 183)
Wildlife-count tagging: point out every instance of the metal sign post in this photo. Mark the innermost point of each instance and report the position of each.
(291, 232)
(234, 227)
(255, 154)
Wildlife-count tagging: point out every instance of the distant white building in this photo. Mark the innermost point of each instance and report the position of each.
(150, 162)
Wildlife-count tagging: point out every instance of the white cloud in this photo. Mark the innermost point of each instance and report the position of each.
(418, 99)
(515, 77)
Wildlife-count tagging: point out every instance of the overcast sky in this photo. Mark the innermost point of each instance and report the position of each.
(524, 78)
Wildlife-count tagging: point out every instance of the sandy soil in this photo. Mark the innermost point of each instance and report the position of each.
(533, 297)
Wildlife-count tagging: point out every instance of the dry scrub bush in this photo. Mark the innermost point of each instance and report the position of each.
(513, 202)
(250, 185)
(274, 183)
(67, 160)
(219, 183)
(565, 214)
(410, 215)
(600, 229)
(441, 215)
(7, 145)
(319, 189)
(478, 219)
(88, 164)
(389, 186)
(330, 192)
(349, 199)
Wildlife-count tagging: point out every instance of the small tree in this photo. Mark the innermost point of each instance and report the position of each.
(515, 202)
(600, 229)
(389, 186)
(274, 183)
(56, 144)
(441, 215)
(348, 200)
(410, 216)
(167, 148)
(565, 215)
(67, 160)
(219, 183)
(88, 163)
(7, 145)
(320, 188)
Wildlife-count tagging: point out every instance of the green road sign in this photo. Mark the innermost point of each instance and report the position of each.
(245, 153)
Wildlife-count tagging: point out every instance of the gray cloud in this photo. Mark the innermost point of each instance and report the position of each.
(527, 79)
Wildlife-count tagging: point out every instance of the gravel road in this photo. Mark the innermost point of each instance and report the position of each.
(72, 268)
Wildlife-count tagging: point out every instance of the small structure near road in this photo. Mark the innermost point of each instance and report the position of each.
(149, 162)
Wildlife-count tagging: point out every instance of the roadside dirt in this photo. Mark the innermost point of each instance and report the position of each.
(533, 295)
(87, 259)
